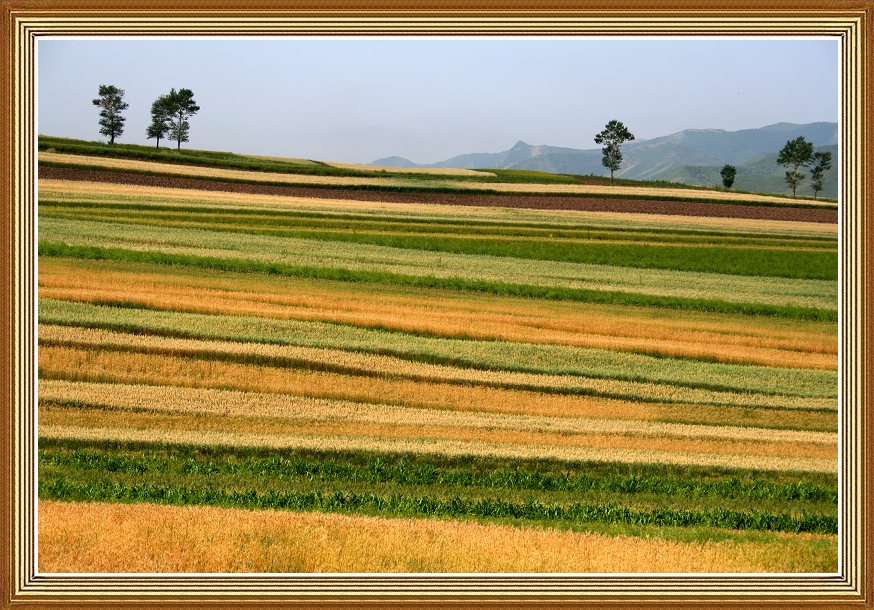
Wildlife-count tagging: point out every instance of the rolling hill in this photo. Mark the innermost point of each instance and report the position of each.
(688, 156)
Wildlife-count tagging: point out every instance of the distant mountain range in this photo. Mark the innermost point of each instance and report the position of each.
(691, 156)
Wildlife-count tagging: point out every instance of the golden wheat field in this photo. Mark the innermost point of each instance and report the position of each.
(244, 382)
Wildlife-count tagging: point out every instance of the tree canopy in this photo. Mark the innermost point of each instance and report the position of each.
(111, 103)
(822, 162)
(183, 107)
(162, 110)
(728, 172)
(612, 137)
(797, 153)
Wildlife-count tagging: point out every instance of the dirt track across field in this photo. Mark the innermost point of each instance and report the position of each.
(540, 202)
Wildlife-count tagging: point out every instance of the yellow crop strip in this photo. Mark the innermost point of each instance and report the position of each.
(74, 537)
(520, 322)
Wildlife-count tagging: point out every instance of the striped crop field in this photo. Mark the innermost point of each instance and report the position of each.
(437, 181)
(260, 382)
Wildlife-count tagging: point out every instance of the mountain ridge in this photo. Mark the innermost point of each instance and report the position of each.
(657, 158)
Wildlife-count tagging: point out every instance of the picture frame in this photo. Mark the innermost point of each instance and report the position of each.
(24, 23)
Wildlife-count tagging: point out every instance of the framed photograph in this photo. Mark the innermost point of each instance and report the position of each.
(407, 305)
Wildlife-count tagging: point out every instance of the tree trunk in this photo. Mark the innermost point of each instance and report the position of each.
(611, 177)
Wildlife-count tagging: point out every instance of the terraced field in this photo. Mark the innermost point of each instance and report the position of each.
(255, 382)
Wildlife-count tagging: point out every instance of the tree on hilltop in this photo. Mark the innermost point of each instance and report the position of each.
(183, 107)
(728, 172)
(612, 137)
(797, 153)
(822, 162)
(111, 103)
(162, 110)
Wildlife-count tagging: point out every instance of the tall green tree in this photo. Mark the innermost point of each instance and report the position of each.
(796, 154)
(111, 102)
(612, 137)
(822, 162)
(183, 107)
(160, 125)
(728, 172)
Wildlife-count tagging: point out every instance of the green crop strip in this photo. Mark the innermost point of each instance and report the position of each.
(453, 283)
(492, 473)
(410, 506)
(749, 261)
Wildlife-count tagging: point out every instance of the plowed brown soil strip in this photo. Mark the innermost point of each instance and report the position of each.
(542, 202)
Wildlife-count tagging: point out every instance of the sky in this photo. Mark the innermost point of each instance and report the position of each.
(357, 100)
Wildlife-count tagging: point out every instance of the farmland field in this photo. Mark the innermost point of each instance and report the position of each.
(258, 381)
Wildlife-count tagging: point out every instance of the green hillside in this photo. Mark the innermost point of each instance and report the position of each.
(762, 175)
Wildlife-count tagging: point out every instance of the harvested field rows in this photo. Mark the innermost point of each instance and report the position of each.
(656, 392)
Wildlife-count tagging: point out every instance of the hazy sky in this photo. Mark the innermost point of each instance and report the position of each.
(427, 100)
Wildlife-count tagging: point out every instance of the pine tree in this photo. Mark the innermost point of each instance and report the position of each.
(613, 135)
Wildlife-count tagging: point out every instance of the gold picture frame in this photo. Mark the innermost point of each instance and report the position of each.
(24, 23)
